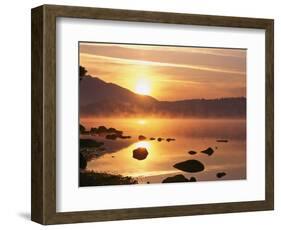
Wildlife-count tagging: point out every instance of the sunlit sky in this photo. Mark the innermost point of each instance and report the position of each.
(168, 72)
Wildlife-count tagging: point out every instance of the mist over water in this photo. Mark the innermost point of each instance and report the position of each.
(190, 134)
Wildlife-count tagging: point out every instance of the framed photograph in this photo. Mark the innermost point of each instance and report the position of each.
(140, 114)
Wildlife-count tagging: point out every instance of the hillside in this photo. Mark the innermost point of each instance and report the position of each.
(98, 98)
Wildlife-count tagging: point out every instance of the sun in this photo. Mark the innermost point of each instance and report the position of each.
(143, 87)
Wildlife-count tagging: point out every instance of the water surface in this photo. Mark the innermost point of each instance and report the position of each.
(190, 134)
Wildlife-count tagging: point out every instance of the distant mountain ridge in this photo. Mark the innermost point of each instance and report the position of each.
(99, 98)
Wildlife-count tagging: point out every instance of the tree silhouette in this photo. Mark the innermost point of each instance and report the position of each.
(82, 72)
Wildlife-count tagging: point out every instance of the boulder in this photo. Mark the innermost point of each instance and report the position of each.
(152, 138)
(192, 179)
(209, 151)
(221, 174)
(111, 136)
(140, 153)
(93, 130)
(111, 130)
(141, 137)
(102, 129)
(178, 178)
(160, 139)
(191, 152)
(82, 128)
(191, 166)
(222, 140)
(175, 179)
(170, 139)
(118, 133)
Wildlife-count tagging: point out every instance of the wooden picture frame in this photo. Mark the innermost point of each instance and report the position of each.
(43, 208)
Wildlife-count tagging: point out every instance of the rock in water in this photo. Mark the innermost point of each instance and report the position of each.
(111, 136)
(159, 139)
(178, 178)
(82, 129)
(152, 138)
(209, 151)
(191, 152)
(192, 179)
(175, 179)
(141, 137)
(111, 130)
(192, 166)
(102, 129)
(221, 174)
(93, 131)
(170, 139)
(222, 140)
(140, 153)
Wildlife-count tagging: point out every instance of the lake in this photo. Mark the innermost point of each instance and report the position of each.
(189, 134)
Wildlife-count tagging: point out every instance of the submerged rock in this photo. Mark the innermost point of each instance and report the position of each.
(152, 138)
(170, 139)
(160, 139)
(191, 152)
(221, 174)
(111, 136)
(140, 153)
(175, 179)
(141, 137)
(222, 140)
(192, 166)
(209, 151)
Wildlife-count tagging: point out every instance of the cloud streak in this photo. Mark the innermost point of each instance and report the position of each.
(160, 64)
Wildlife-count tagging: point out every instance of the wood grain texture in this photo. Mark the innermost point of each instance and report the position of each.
(44, 114)
(269, 116)
(37, 115)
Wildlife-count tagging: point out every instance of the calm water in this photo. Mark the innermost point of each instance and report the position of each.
(190, 134)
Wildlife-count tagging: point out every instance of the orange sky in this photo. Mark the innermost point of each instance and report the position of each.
(168, 72)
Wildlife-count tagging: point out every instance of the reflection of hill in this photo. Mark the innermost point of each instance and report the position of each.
(98, 98)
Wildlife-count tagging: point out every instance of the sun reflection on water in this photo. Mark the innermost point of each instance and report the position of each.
(142, 144)
(141, 121)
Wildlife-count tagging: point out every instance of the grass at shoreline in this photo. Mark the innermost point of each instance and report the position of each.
(100, 179)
